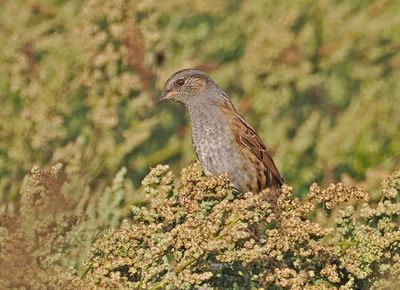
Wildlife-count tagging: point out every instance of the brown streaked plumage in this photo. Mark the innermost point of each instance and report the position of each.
(252, 147)
(222, 139)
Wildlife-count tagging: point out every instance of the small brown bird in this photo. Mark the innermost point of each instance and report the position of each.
(222, 139)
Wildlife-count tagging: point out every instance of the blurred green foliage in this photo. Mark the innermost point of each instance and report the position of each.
(319, 81)
(79, 80)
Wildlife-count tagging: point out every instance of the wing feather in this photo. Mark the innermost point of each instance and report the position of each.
(246, 135)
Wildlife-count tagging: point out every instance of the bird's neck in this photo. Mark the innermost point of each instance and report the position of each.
(200, 114)
(204, 119)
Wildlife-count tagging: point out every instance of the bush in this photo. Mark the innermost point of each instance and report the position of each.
(201, 235)
(79, 82)
(48, 240)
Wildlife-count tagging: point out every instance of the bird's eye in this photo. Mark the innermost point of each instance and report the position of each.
(180, 82)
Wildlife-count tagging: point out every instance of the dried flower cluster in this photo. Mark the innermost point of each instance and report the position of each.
(79, 80)
(200, 235)
(44, 245)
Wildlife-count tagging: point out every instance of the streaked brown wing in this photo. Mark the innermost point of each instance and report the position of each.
(246, 135)
(253, 142)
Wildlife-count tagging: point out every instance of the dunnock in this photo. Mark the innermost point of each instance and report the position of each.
(222, 139)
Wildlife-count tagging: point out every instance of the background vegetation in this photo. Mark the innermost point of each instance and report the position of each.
(78, 89)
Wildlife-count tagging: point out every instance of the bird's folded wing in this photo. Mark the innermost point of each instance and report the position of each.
(252, 141)
(246, 135)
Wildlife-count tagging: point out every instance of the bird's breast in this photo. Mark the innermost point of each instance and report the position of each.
(216, 148)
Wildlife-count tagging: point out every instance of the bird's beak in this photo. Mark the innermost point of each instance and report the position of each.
(167, 95)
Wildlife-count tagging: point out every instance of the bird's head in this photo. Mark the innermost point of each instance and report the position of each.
(189, 86)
